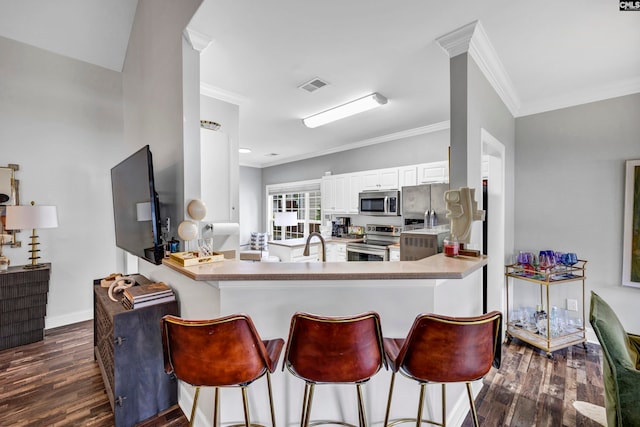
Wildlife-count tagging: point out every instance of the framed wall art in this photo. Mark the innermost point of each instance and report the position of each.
(631, 238)
(9, 196)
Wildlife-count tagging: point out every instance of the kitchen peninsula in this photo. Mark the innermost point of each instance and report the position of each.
(271, 292)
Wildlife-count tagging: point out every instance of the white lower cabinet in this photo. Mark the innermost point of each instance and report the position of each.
(336, 252)
(295, 253)
(394, 253)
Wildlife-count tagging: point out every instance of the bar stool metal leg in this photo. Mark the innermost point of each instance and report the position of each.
(444, 405)
(362, 416)
(245, 404)
(472, 404)
(307, 410)
(273, 415)
(193, 407)
(420, 404)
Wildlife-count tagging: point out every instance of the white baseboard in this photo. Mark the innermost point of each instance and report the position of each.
(67, 319)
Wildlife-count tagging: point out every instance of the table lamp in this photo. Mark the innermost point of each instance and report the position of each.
(32, 216)
(285, 219)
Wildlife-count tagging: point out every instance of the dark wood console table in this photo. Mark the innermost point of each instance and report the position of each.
(23, 305)
(128, 349)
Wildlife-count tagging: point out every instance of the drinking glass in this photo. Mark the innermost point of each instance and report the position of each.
(552, 261)
(205, 247)
(522, 258)
(544, 262)
(569, 260)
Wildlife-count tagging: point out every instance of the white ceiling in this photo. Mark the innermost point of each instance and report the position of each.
(555, 54)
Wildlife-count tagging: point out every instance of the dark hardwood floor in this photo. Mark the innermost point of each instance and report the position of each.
(56, 382)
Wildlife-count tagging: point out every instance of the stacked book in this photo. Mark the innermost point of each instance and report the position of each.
(146, 295)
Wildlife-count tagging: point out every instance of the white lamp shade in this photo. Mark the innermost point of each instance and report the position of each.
(31, 216)
(285, 219)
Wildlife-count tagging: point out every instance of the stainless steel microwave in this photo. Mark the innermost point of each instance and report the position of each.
(379, 203)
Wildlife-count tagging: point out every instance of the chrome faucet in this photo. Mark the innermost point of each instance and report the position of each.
(306, 245)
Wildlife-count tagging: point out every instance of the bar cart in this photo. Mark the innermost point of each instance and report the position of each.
(553, 337)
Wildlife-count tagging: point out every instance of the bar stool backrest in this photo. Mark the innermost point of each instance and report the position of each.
(448, 349)
(334, 349)
(218, 352)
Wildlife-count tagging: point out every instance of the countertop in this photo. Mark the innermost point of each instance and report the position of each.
(293, 243)
(433, 267)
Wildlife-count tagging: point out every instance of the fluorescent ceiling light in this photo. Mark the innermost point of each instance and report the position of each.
(349, 109)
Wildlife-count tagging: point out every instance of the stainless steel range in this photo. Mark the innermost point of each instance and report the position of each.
(376, 243)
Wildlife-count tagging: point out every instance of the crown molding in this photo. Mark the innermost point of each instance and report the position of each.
(483, 53)
(457, 41)
(198, 40)
(472, 38)
(614, 90)
(222, 94)
(444, 125)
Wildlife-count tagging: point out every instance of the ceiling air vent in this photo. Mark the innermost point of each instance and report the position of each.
(313, 85)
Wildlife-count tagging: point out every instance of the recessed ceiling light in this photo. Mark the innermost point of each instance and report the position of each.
(244, 150)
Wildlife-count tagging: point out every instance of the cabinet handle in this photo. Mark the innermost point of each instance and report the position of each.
(120, 340)
(120, 400)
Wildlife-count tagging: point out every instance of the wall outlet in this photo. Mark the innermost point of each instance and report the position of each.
(572, 304)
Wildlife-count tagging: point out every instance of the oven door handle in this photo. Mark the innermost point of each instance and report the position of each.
(381, 253)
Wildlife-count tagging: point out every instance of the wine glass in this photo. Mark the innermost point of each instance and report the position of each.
(552, 261)
(544, 262)
(569, 260)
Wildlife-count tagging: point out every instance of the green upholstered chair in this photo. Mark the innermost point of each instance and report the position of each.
(621, 365)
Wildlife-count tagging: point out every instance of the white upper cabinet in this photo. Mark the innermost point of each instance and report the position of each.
(429, 173)
(327, 188)
(334, 190)
(407, 175)
(380, 179)
(341, 189)
(355, 187)
(340, 192)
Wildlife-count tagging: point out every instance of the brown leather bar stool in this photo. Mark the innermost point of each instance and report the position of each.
(442, 349)
(330, 350)
(223, 352)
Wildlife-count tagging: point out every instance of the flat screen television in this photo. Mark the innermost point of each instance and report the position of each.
(136, 208)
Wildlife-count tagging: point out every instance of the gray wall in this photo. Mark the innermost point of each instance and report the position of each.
(154, 110)
(487, 111)
(424, 148)
(252, 196)
(61, 122)
(570, 190)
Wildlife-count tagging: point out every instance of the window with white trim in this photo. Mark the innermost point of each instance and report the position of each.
(301, 197)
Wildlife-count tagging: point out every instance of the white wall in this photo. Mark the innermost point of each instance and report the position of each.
(570, 190)
(61, 121)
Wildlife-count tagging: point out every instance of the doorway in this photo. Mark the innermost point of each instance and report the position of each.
(493, 170)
